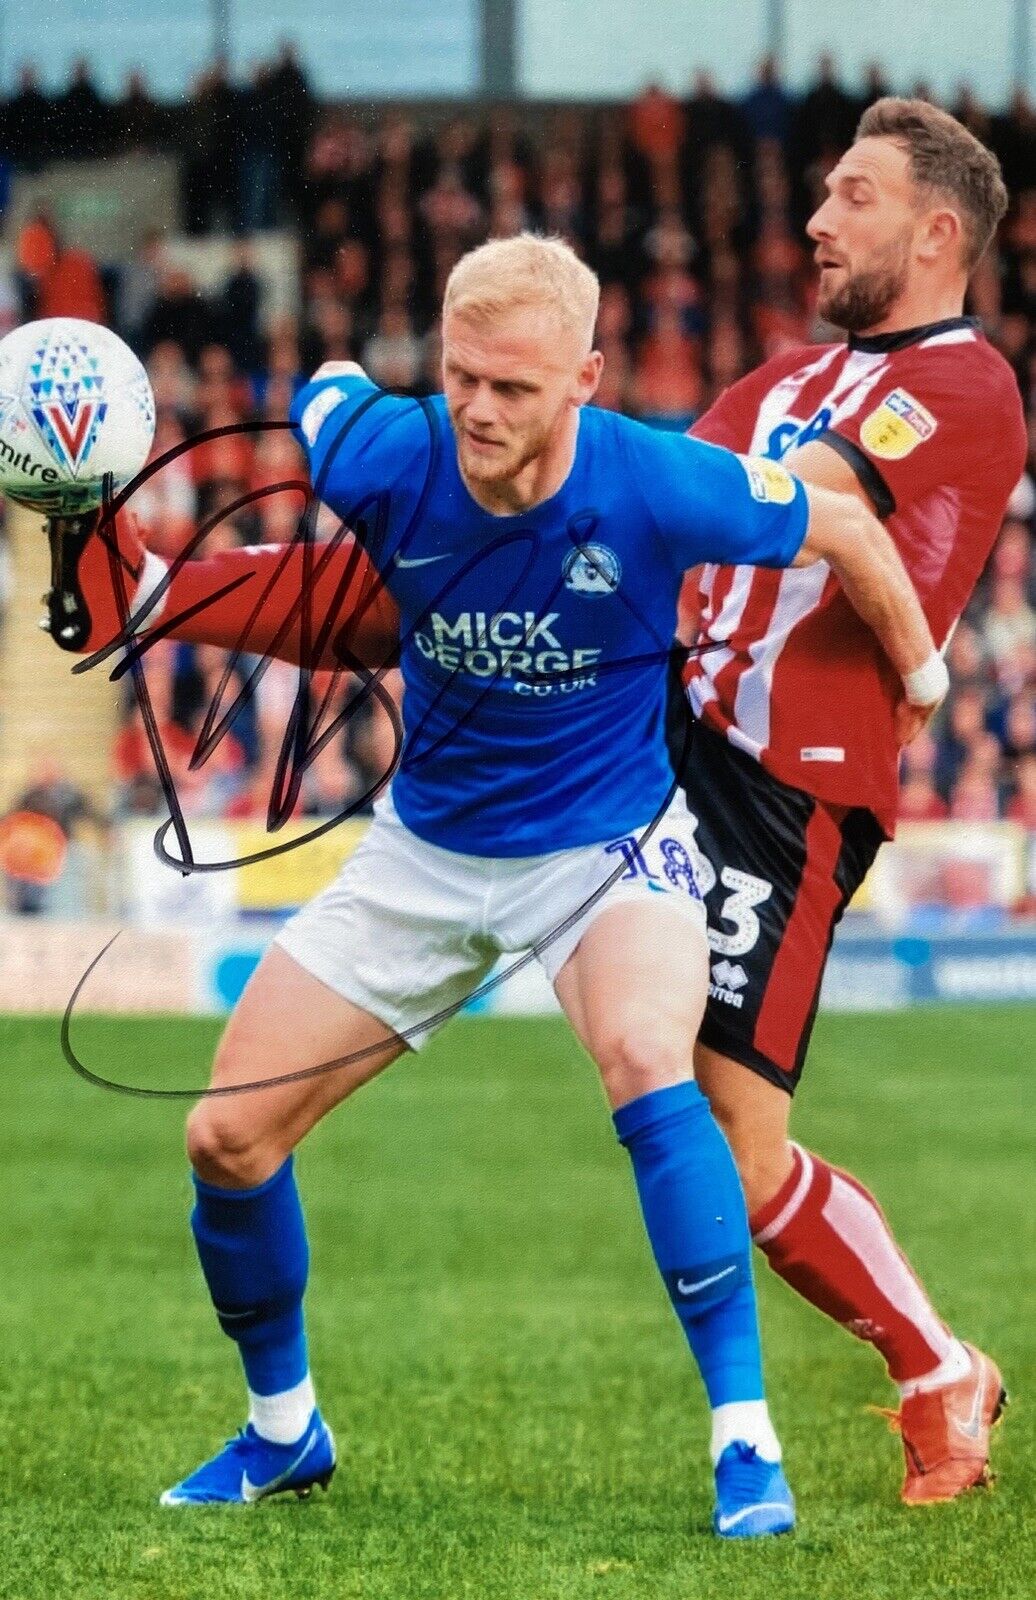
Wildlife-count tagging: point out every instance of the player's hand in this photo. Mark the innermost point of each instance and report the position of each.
(909, 720)
(83, 608)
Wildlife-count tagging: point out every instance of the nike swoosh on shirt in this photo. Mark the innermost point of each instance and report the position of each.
(402, 562)
(251, 1492)
(693, 1288)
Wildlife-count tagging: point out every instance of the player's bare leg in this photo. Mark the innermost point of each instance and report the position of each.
(626, 991)
(247, 1220)
(826, 1236)
(286, 1021)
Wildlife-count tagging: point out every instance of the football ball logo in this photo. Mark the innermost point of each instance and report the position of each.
(75, 405)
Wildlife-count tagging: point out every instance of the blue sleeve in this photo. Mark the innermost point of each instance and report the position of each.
(711, 505)
(359, 441)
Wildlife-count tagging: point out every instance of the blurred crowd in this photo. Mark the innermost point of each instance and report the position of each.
(691, 211)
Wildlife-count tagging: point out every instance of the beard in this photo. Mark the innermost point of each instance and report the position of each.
(865, 298)
(507, 463)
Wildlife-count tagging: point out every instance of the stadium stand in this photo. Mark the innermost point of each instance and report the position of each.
(692, 213)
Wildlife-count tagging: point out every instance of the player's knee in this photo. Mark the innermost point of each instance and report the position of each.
(763, 1162)
(222, 1148)
(642, 1053)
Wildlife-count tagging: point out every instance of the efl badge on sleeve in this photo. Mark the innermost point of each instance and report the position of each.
(768, 481)
(898, 425)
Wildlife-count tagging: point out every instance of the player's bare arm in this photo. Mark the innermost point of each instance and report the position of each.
(844, 533)
(823, 468)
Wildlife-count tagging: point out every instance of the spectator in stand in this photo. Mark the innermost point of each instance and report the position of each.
(211, 150)
(826, 116)
(875, 86)
(614, 323)
(172, 380)
(50, 792)
(179, 314)
(965, 657)
(393, 354)
(237, 309)
(711, 119)
(657, 125)
(976, 792)
(1018, 725)
(72, 287)
(277, 459)
(84, 123)
(1010, 622)
(332, 782)
(30, 123)
(330, 334)
(965, 726)
(668, 385)
(167, 504)
(1012, 556)
(138, 287)
(139, 124)
(290, 107)
(919, 800)
(36, 251)
(1022, 805)
(767, 106)
(259, 168)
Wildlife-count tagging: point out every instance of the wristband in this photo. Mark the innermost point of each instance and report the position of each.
(927, 685)
(153, 573)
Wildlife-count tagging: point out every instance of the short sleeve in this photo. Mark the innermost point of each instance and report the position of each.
(712, 505)
(923, 426)
(360, 442)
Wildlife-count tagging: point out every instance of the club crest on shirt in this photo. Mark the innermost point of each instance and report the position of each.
(592, 569)
(897, 426)
(768, 481)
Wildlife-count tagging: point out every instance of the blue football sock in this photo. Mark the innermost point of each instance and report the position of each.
(694, 1211)
(253, 1252)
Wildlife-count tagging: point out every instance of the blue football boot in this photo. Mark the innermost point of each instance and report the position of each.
(752, 1495)
(249, 1468)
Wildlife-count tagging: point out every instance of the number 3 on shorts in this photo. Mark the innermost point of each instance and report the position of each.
(746, 892)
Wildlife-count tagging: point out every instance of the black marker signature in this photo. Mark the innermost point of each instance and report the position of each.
(370, 517)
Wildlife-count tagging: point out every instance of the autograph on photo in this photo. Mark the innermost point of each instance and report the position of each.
(305, 733)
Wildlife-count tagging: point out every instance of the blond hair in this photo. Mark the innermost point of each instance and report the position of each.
(526, 270)
(945, 159)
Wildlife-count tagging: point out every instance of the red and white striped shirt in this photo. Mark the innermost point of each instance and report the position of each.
(931, 421)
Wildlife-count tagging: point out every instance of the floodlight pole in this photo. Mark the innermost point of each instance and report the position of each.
(1022, 52)
(498, 74)
(221, 29)
(775, 29)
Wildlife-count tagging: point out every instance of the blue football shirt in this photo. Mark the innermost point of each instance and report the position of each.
(535, 646)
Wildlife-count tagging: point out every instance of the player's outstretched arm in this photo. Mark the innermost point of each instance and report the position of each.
(842, 531)
(319, 606)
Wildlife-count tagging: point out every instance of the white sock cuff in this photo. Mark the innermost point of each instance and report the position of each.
(747, 1421)
(282, 1418)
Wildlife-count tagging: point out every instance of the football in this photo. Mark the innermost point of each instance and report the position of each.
(75, 405)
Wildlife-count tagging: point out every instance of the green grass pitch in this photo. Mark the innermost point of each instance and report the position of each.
(516, 1413)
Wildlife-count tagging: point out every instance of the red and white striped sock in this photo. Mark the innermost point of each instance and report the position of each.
(826, 1236)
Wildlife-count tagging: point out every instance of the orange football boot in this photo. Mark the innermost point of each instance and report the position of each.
(946, 1433)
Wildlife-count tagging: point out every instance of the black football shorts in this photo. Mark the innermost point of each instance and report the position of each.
(777, 868)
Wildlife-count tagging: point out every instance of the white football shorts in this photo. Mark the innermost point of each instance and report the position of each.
(408, 931)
